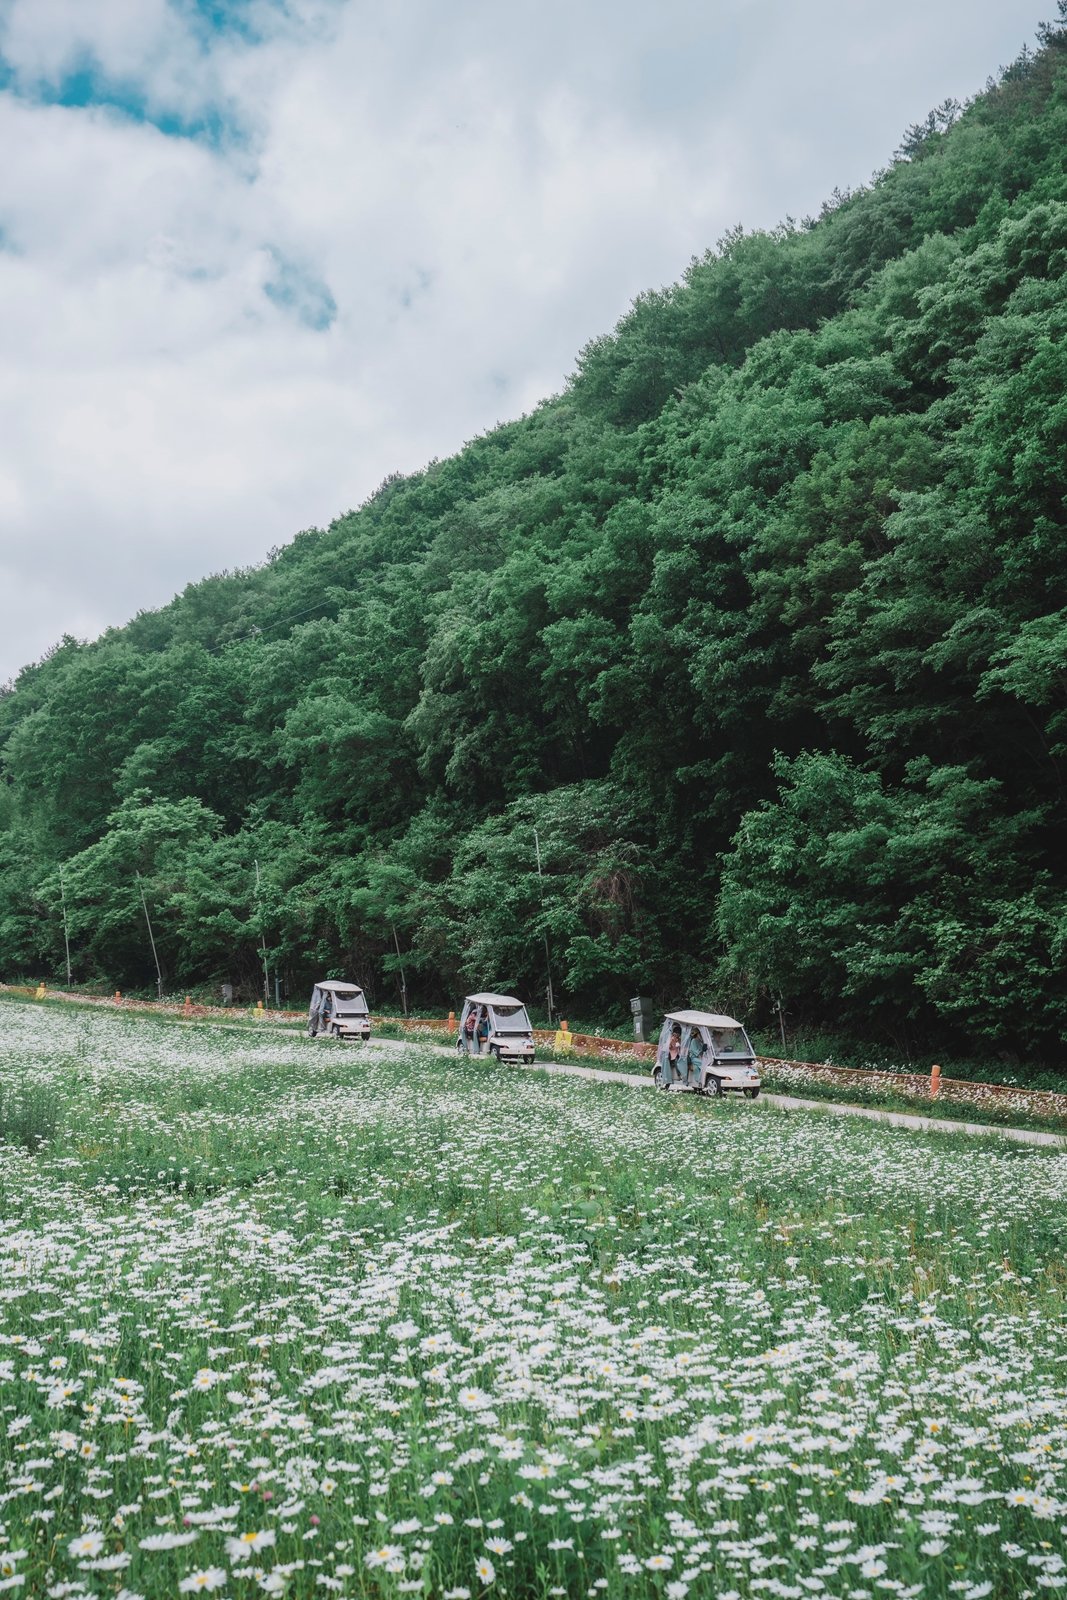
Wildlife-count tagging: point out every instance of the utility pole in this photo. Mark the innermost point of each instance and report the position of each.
(781, 1019)
(151, 939)
(548, 958)
(262, 942)
(66, 936)
(403, 980)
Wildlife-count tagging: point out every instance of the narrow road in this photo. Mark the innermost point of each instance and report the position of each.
(643, 1080)
(784, 1102)
(788, 1102)
(909, 1119)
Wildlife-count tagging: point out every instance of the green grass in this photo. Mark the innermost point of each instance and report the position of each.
(29, 1116)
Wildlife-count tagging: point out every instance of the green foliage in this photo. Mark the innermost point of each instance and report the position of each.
(761, 625)
(873, 901)
(589, 900)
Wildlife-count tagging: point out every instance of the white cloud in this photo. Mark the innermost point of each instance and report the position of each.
(413, 219)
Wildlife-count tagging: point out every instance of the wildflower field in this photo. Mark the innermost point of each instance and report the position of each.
(286, 1318)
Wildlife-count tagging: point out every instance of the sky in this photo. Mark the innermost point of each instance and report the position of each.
(256, 255)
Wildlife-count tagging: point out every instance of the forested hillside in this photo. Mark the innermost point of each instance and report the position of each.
(761, 624)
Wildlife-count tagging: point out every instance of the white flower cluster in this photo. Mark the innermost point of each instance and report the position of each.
(276, 1325)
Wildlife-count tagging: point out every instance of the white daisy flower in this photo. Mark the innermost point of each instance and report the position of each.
(204, 1582)
(239, 1548)
(86, 1544)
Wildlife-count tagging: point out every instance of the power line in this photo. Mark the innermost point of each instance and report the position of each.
(256, 630)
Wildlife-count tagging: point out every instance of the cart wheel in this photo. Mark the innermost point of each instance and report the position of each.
(750, 1094)
(494, 1051)
(714, 1088)
(529, 1060)
(657, 1077)
(312, 1030)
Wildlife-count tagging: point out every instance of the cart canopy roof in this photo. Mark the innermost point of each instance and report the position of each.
(702, 1019)
(492, 1000)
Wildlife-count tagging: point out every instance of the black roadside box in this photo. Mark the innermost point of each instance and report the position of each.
(641, 1006)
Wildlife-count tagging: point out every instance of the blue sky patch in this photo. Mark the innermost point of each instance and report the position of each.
(210, 19)
(208, 25)
(297, 290)
(87, 85)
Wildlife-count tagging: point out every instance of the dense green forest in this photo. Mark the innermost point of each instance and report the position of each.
(761, 625)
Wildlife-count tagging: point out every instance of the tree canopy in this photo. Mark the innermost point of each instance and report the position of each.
(760, 626)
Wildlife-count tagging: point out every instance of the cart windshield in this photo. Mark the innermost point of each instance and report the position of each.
(349, 1000)
(510, 1019)
(730, 1042)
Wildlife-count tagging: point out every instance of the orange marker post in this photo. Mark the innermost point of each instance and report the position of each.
(118, 997)
(451, 1020)
(935, 1081)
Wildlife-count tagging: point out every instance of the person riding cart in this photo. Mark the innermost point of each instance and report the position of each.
(339, 1010)
(705, 1053)
(495, 1025)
